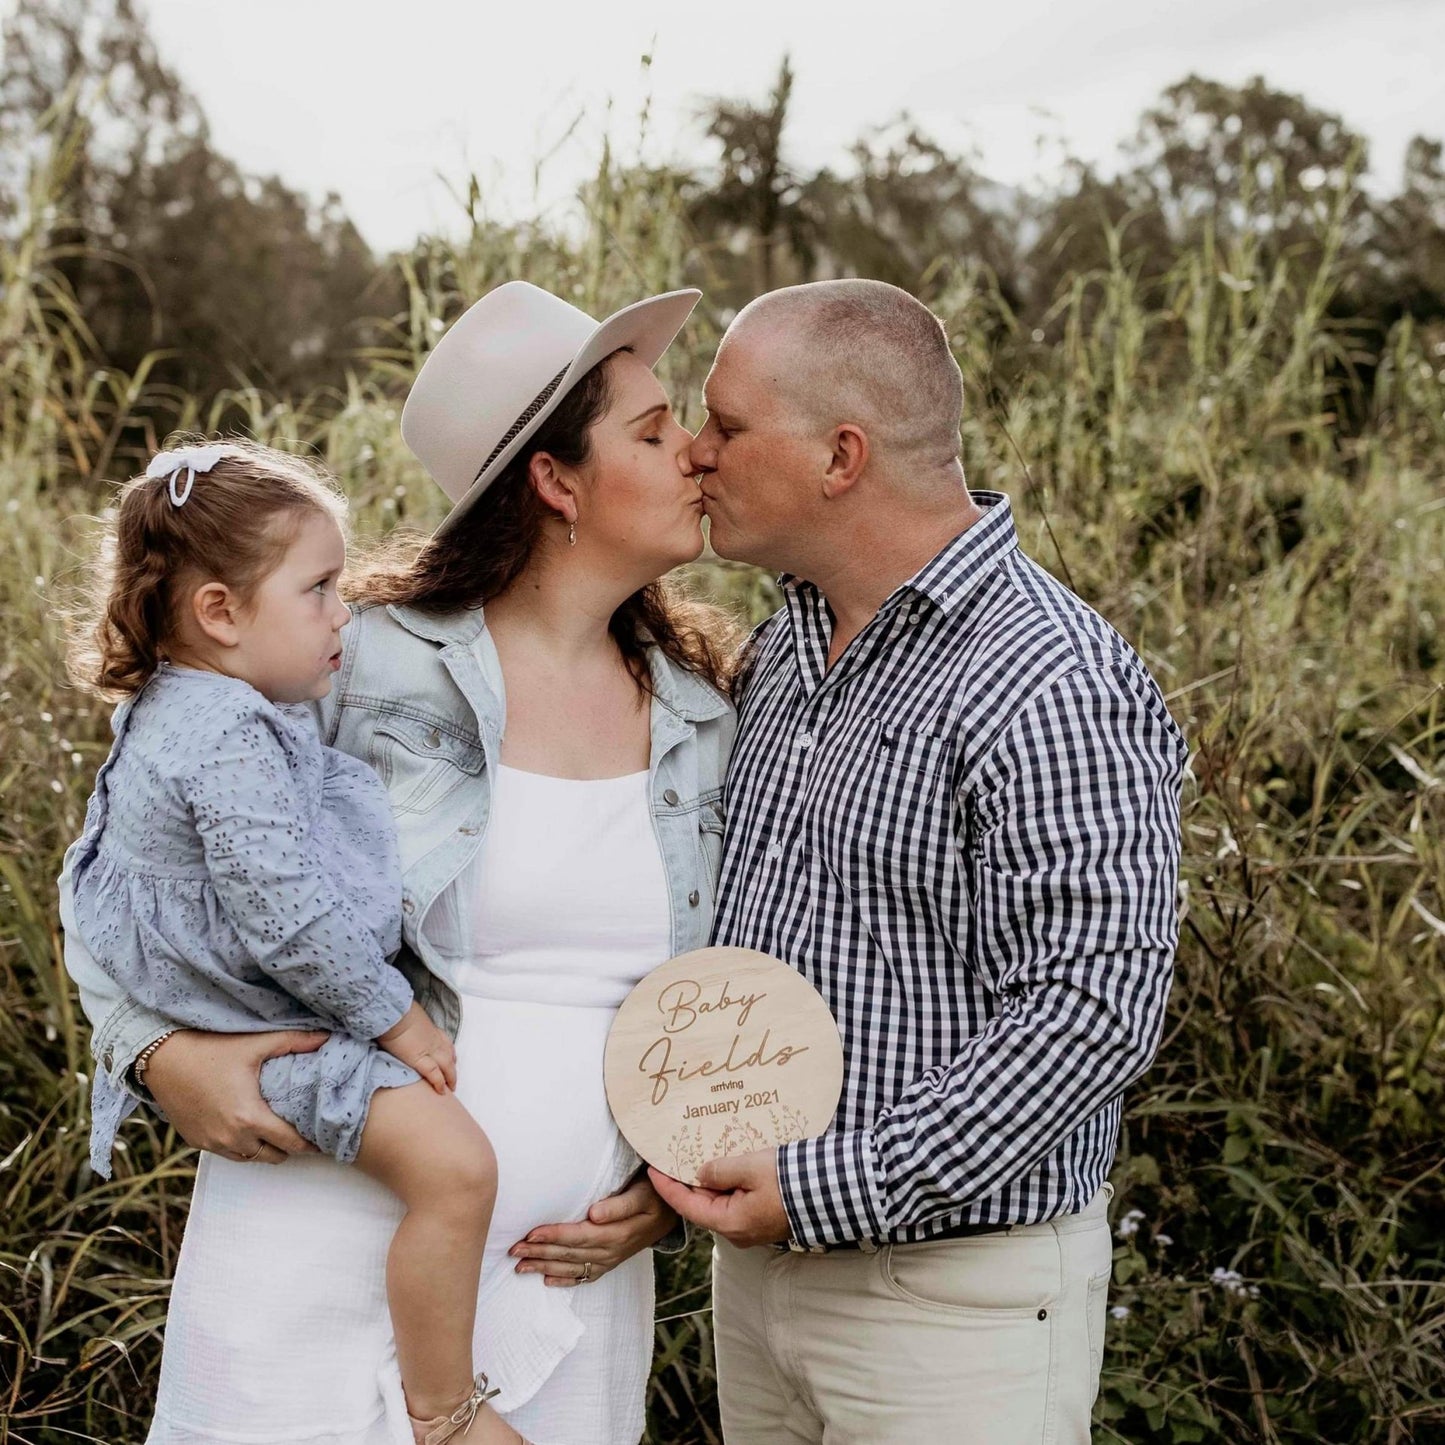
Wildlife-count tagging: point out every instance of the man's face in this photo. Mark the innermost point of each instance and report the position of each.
(761, 471)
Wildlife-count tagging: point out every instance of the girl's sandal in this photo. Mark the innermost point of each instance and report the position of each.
(441, 1428)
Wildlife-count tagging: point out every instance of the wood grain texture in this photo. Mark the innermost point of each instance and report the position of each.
(721, 1051)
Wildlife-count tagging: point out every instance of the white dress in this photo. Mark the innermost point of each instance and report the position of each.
(278, 1328)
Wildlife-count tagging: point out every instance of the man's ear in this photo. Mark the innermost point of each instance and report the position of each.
(554, 485)
(850, 456)
(217, 611)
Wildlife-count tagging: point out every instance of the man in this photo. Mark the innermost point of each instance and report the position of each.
(953, 806)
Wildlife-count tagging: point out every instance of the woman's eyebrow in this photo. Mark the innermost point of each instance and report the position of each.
(661, 406)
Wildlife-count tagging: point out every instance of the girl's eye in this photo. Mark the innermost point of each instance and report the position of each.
(322, 585)
(653, 441)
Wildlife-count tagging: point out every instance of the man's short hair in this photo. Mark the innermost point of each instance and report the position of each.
(869, 353)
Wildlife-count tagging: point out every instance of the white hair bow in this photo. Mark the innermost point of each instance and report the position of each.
(188, 459)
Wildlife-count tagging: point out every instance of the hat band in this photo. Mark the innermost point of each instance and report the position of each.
(541, 400)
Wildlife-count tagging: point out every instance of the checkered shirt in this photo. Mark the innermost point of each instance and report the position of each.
(965, 834)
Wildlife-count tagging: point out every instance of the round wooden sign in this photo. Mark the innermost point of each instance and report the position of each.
(721, 1051)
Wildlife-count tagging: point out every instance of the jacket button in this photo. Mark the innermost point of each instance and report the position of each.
(434, 739)
(694, 898)
(407, 905)
(670, 797)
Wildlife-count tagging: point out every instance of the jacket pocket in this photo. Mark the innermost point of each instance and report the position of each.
(421, 760)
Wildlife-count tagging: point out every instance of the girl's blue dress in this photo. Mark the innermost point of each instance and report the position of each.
(237, 875)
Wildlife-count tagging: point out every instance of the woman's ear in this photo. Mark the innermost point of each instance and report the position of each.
(218, 613)
(555, 484)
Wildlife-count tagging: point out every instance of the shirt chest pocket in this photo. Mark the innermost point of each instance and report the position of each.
(882, 816)
(421, 761)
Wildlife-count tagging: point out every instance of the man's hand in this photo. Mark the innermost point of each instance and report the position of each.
(737, 1197)
(209, 1087)
(614, 1230)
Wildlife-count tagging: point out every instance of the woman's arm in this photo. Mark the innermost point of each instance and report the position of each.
(209, 1087)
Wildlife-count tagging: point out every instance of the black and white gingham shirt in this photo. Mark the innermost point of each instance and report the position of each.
(966, 835)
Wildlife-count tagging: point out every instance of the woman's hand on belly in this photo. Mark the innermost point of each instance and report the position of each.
(615, 1229)
(209, 1087)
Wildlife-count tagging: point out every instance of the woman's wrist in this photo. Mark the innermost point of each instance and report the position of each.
(142, 1062)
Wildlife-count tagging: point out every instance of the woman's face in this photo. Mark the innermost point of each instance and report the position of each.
(640, 503)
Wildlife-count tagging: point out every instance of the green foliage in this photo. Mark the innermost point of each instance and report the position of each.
(1175, 448)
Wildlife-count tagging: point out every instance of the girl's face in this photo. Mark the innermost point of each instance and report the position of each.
(287, 642)
(640, 504)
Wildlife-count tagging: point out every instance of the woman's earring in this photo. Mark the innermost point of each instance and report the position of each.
(572, 535)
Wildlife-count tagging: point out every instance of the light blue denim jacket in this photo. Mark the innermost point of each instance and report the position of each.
(420, 698)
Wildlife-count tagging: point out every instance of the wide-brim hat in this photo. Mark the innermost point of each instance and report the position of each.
(503, 368)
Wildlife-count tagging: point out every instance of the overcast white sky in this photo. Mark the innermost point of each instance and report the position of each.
(380, 99)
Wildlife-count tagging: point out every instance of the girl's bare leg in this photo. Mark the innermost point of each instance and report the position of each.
(433, 1156)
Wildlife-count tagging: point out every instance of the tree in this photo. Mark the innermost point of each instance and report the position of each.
(168, 246)
(757, 201)
(908, 210)
(1242, 158)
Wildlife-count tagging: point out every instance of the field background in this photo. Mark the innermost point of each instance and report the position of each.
(1213, 384)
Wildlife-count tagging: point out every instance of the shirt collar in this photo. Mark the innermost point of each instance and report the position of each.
(950, 577)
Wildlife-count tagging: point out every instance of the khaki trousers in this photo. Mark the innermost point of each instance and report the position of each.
(991, 1340)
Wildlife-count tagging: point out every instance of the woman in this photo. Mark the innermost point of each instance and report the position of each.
(549, 723)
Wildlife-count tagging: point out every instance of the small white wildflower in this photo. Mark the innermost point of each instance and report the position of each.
(65, 745)
(1128, 1226)
(1120, 1312)
(39, 580)
(76, 759)
(47, 717)
(1037, 335)
(388, 504)
(13, 505)
(81, 1078)
(437, 324)
(121, 1145)
(56, 786)
(64, 1129)
(1163, 1240)
(1232, 1282)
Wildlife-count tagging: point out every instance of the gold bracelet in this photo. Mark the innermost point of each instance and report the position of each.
(142, 1059)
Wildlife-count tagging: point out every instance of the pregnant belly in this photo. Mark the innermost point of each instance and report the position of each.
(531, 1076)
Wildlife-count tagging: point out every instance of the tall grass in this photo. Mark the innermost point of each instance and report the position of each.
(1177, 458)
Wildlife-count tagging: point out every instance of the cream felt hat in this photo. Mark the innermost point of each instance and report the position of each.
(503, 367)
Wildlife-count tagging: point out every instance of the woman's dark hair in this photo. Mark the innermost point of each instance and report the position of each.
(477, 560)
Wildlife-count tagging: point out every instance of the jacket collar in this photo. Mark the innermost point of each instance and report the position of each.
(675, 687)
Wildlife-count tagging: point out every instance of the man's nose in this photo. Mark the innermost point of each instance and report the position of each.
(702, 455)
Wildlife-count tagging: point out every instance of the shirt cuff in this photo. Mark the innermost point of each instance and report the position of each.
(386, 1006)
(832, 1189)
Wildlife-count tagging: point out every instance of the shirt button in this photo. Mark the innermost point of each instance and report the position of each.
(806, 741)
(670, 797)
(434, 739)
(694, 898)
(775, 850)
(914, 616)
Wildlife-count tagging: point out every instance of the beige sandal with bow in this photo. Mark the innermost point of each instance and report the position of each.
(441, 1428)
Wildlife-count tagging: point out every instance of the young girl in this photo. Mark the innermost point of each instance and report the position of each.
(235, 874)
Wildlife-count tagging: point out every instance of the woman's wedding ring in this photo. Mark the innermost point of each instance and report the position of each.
(586, 1272)
(249, 1158)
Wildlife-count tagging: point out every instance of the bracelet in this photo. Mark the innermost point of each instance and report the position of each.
(142, 1059)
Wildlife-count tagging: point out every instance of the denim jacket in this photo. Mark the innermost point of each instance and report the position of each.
(420, 698)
